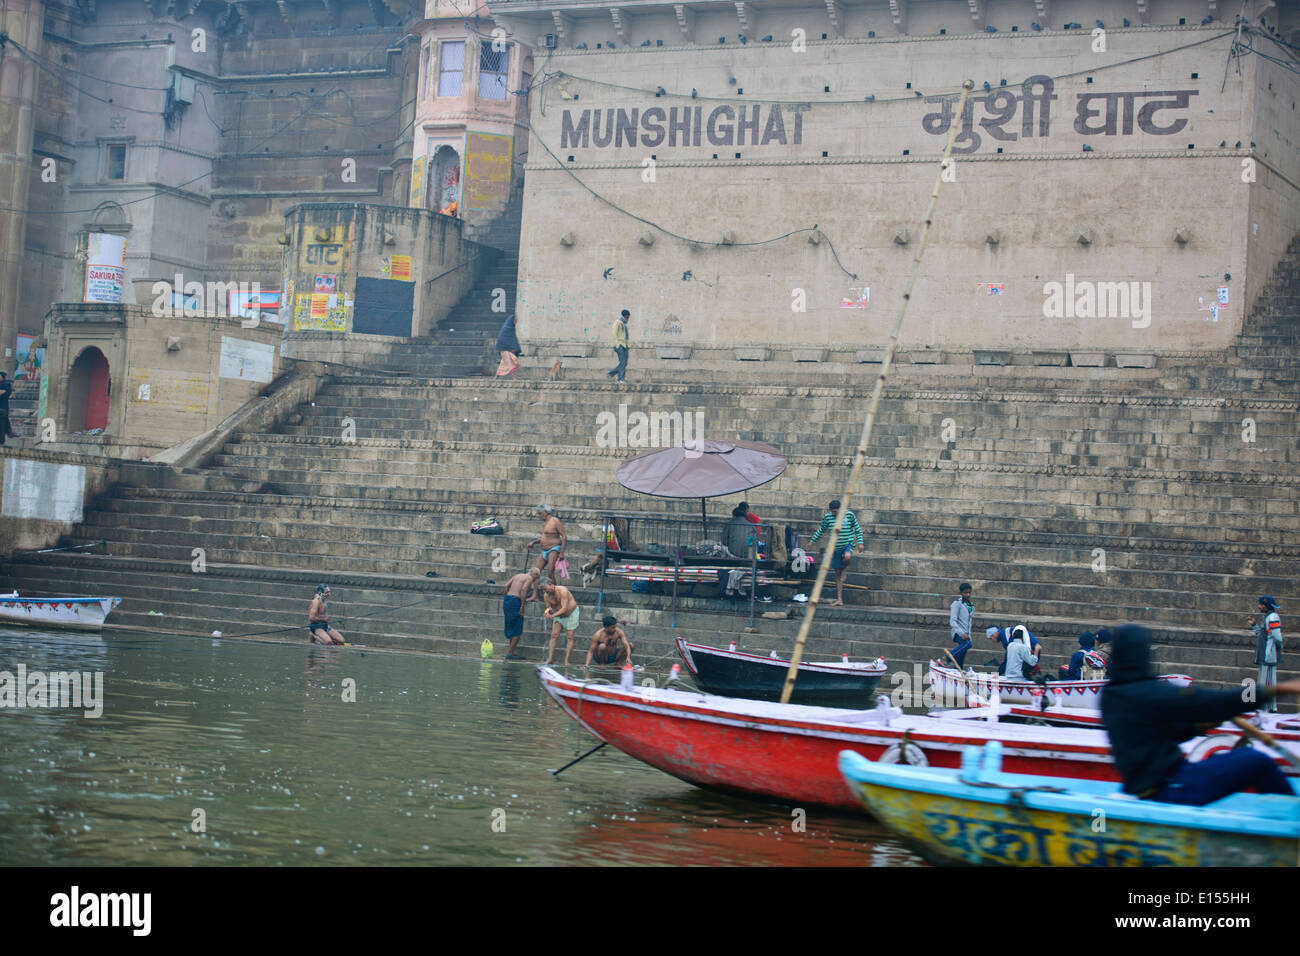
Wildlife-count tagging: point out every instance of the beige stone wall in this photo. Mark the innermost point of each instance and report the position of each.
(861, 171)
(351, 240)
(158, 396)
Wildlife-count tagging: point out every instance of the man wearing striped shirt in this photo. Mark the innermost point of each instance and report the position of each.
(850, 535)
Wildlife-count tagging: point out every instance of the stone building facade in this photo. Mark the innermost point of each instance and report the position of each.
(745, 176)
(131, 383)
(471, 121)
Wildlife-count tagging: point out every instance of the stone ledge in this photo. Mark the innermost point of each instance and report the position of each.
(1088, 359)
(1051, 358)
(1135, 359)
(673, 352)
(758, 353)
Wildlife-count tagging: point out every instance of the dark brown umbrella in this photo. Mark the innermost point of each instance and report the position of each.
(702, 469)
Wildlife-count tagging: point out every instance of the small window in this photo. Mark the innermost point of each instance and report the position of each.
(492, 66)
(116, 161)
(451, 68)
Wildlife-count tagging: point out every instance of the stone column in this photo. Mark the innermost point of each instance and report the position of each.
(23, 22)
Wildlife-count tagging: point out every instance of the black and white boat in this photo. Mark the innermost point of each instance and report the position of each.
(732, 673)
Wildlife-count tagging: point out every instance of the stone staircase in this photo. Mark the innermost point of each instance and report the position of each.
(464, 339)
(1070, 497)
(23, 401)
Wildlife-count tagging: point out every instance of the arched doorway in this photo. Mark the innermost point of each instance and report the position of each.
(444, 179)
(88, 389)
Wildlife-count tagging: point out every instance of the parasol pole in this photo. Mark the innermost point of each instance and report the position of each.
(847, 497)
(704, 519)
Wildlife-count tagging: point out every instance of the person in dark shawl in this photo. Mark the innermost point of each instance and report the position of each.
(1146, 719)
(508, 346)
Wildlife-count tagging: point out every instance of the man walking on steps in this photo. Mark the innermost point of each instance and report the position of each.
(960, 616)
(850, 535)
(620, 345)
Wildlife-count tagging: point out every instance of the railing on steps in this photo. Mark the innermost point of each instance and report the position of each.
(653, 563)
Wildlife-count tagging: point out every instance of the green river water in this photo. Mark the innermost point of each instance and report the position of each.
(439, 761)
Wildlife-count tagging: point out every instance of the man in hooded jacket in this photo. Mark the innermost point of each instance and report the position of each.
(1146, 719)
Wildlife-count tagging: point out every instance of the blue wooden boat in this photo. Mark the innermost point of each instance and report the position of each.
(979, 814)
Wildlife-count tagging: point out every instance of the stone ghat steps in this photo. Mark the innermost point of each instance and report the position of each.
(1003, 598)
(1197, 519)
(899, 535)
(1006, 585)
(1070, 587)
(447, 547)
(452, 618)
(1273, 447)
(1232, 375)
(589, 414)
(416, 404)
(1205, 377)
(418, 401)
(479, 476)
(509, 460)
(1125, 460)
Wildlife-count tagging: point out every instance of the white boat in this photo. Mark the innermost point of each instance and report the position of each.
(75, 613)
(950, 684)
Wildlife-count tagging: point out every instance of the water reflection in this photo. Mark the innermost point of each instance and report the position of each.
(433, 761)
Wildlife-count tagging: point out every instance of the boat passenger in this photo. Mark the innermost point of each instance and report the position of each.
(1074, 669)
(1007, 635)
(1022, 656)
(1147, 718)
(610, 645)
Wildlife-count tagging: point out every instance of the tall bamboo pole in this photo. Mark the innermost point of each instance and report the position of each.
(847, 498)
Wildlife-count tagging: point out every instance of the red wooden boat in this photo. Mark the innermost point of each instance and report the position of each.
(789, 752)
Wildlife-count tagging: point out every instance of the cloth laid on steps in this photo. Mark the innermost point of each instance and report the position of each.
(490, 526)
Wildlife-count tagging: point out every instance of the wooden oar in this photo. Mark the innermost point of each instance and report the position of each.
(1250, 730)
(970, 691)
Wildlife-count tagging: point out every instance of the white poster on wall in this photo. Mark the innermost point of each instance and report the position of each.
(43, 490)
(250, 361)
(105, 267)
